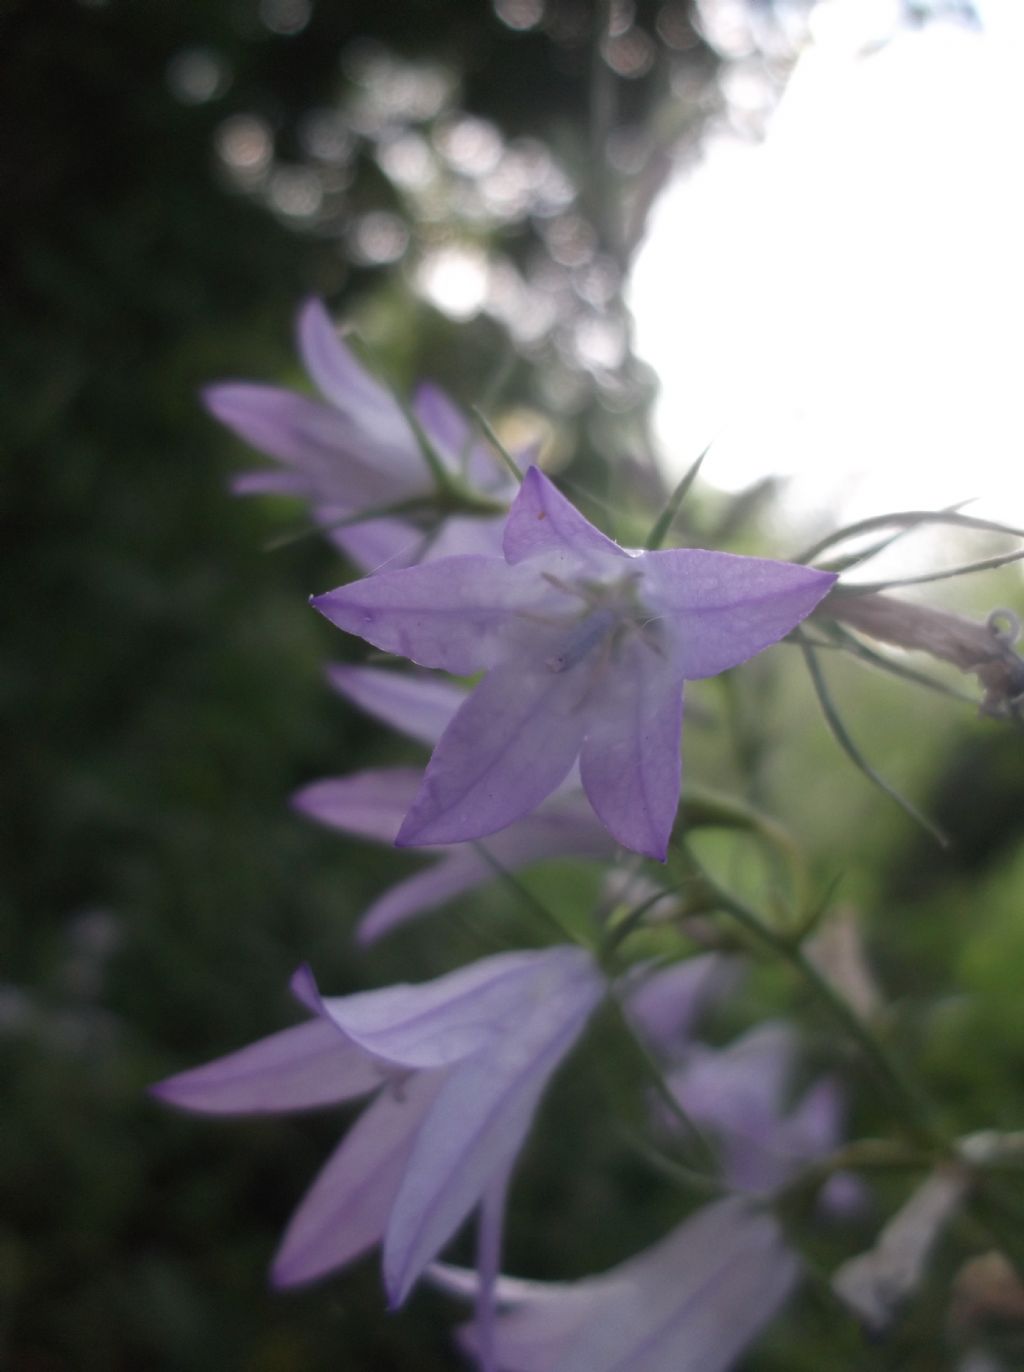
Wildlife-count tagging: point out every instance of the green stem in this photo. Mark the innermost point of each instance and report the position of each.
(653, 1071)
(621, 931)
(503, 453)
(915, 1108)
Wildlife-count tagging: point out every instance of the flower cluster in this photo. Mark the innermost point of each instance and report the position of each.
(567, 744)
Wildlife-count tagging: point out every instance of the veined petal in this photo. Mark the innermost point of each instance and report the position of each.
(738, 1092)
(370, 804)
(508, 747)
(560, 829)
(346, 383)
(482, 1113)
(372, 544)
(271, 481)
(460, 870)
(442, 422)
(541, 520)
(457, 614)
(414, 703)
(346, 1209)
(666, 1004)
(455, 1016)
(630, 757)
(449, 430)
(307, 435)
(693, 1304)
(297, 1069)
(814, 1127)
(722, 609)
(466, 536)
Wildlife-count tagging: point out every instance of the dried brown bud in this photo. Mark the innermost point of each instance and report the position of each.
(986, 650)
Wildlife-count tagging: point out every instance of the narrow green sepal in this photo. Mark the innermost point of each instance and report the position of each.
(842, 736)
(663, 523)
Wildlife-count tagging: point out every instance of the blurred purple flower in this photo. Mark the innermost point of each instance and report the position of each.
(665, 1004)
(586, 647)
(740, 1094)
(692, 1303)
(372, 804)
(696, 1300)
(354, 450)
(456, 1066)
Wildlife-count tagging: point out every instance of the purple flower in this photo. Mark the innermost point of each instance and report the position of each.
(372, 804)
(739, 1094)
(665, 1005)
(456, 1067)
(354, 450)
(692, 1303)
(586, 647)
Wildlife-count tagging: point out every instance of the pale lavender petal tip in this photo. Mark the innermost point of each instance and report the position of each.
(541, 520)
(305, 990)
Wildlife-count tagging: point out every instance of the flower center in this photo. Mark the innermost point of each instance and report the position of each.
(592, 630)
(613, 610)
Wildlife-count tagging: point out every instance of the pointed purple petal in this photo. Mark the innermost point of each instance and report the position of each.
(482, 1114)
(370, 804)
(455, 1016)
(442, 421)
(564, 826)
(450, 432)
(466, 536)
(815, 1125)
(559, 829)
(373, 545)
(414, 703)
(722, 609)
(345, 382)
(691, 1303)
(346, 1209)
(695, 1303)
(541, 520)
(308, 436)
(298, 1069)
(666, 1005)
(457, 614)
(532, 1337)
(270, 481)
(464, 1283)
(510, 745)
(630, 757)
(738, 1093)
(457, 872)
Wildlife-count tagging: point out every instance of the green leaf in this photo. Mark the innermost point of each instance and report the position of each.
(664, 522)
(503, 453)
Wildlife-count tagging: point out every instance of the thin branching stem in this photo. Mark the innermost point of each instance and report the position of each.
(842, 736)
(916, 1109)
(664, 522)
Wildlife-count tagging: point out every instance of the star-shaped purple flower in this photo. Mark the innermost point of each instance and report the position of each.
(354, 450)
(586, 647)
(456, 1067)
